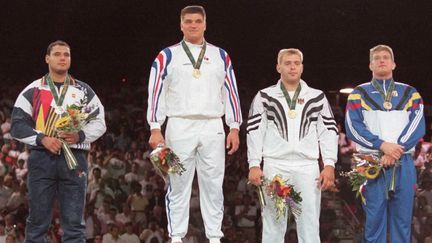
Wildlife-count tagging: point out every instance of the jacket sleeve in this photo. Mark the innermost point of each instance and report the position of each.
(22, 128)
(356, 129)
(327, 134)
(415, 129)
(230, 96)
(256, 128)
(95, 128)
(156, 110)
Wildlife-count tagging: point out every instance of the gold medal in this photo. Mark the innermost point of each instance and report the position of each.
(387, 105)
(196, 73)
(292, 114)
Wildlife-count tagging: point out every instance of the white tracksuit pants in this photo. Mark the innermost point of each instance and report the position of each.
(302, 175)
(200, 145)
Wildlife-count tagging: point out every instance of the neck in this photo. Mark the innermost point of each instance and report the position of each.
(58, 77)
(197, 41)
(382, 77)
(291, 85)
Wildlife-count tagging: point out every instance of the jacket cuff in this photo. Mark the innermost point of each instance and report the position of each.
(39, 138)
(154, 125)
(254, 163)
(82, 136)
(378, 144)
(329, 162)
(234, 125)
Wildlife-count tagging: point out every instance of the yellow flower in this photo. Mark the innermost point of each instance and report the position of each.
(372, 172)
(62, 122)
(278, 179)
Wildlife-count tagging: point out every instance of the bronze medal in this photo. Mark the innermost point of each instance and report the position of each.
(387, 105)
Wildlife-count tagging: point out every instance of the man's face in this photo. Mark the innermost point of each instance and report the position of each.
(97, 174)
(193, 27)
(290, 68)
(59, 60)
(98, 239)
(382, 64)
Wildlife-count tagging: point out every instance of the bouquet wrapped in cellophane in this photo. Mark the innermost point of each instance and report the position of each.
(282, 194)
(165, 161)
(72, 121)
(366, 167)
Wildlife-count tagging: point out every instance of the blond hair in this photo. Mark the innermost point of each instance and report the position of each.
(380, 48)
(289, 51)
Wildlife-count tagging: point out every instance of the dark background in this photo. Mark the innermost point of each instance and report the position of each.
(115, 41)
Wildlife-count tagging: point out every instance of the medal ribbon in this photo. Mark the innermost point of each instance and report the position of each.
(388, 95)
(69, 156)
(58, 101)
(291, 103)
(197, 64)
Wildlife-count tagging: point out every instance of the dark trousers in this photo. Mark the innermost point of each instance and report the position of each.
(48, 179)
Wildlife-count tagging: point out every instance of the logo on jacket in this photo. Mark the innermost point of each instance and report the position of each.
(395, 93)
(300, 101)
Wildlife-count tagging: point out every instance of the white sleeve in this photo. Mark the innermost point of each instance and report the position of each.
(256, 128)
(327, 135)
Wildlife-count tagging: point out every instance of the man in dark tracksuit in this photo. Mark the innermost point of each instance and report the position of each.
(36, 110)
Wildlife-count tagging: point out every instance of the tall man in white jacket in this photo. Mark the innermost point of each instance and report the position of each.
(289, 124)
(193, 84)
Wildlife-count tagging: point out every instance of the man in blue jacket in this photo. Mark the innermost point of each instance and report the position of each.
(385, 118)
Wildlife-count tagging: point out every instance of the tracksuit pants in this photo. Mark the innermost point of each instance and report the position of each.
(301, 174)
(200, 145)
(393, 214)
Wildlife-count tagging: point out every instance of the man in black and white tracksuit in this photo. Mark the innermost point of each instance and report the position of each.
(289, 125)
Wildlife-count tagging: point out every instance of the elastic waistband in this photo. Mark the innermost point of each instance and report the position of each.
(194, 118)
(291, 162)
(39, 149)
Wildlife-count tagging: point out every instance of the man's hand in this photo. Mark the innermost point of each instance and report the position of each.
(233, 141)
(326, 179)
(69, 137)
(156, 138)
(255, 174)
(51, 144)
(387, 161)
(392, 149)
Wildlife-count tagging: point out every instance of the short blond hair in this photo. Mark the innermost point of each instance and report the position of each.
(380, 48)
(289, 51)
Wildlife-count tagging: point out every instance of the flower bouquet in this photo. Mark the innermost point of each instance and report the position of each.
(283, 195)
(165, 161)
(72, 121)
(367, 167)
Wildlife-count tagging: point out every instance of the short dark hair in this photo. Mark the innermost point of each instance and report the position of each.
(56, 43)
(193, 9)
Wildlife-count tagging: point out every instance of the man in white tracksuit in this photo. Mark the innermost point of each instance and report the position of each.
(289, 124)
(193, 84)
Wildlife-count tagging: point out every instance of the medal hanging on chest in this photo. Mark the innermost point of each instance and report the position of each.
(292, 114)
(58, 108)
(196, 73)
(386, 96)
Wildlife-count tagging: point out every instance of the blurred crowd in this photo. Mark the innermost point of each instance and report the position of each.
(126, 198)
